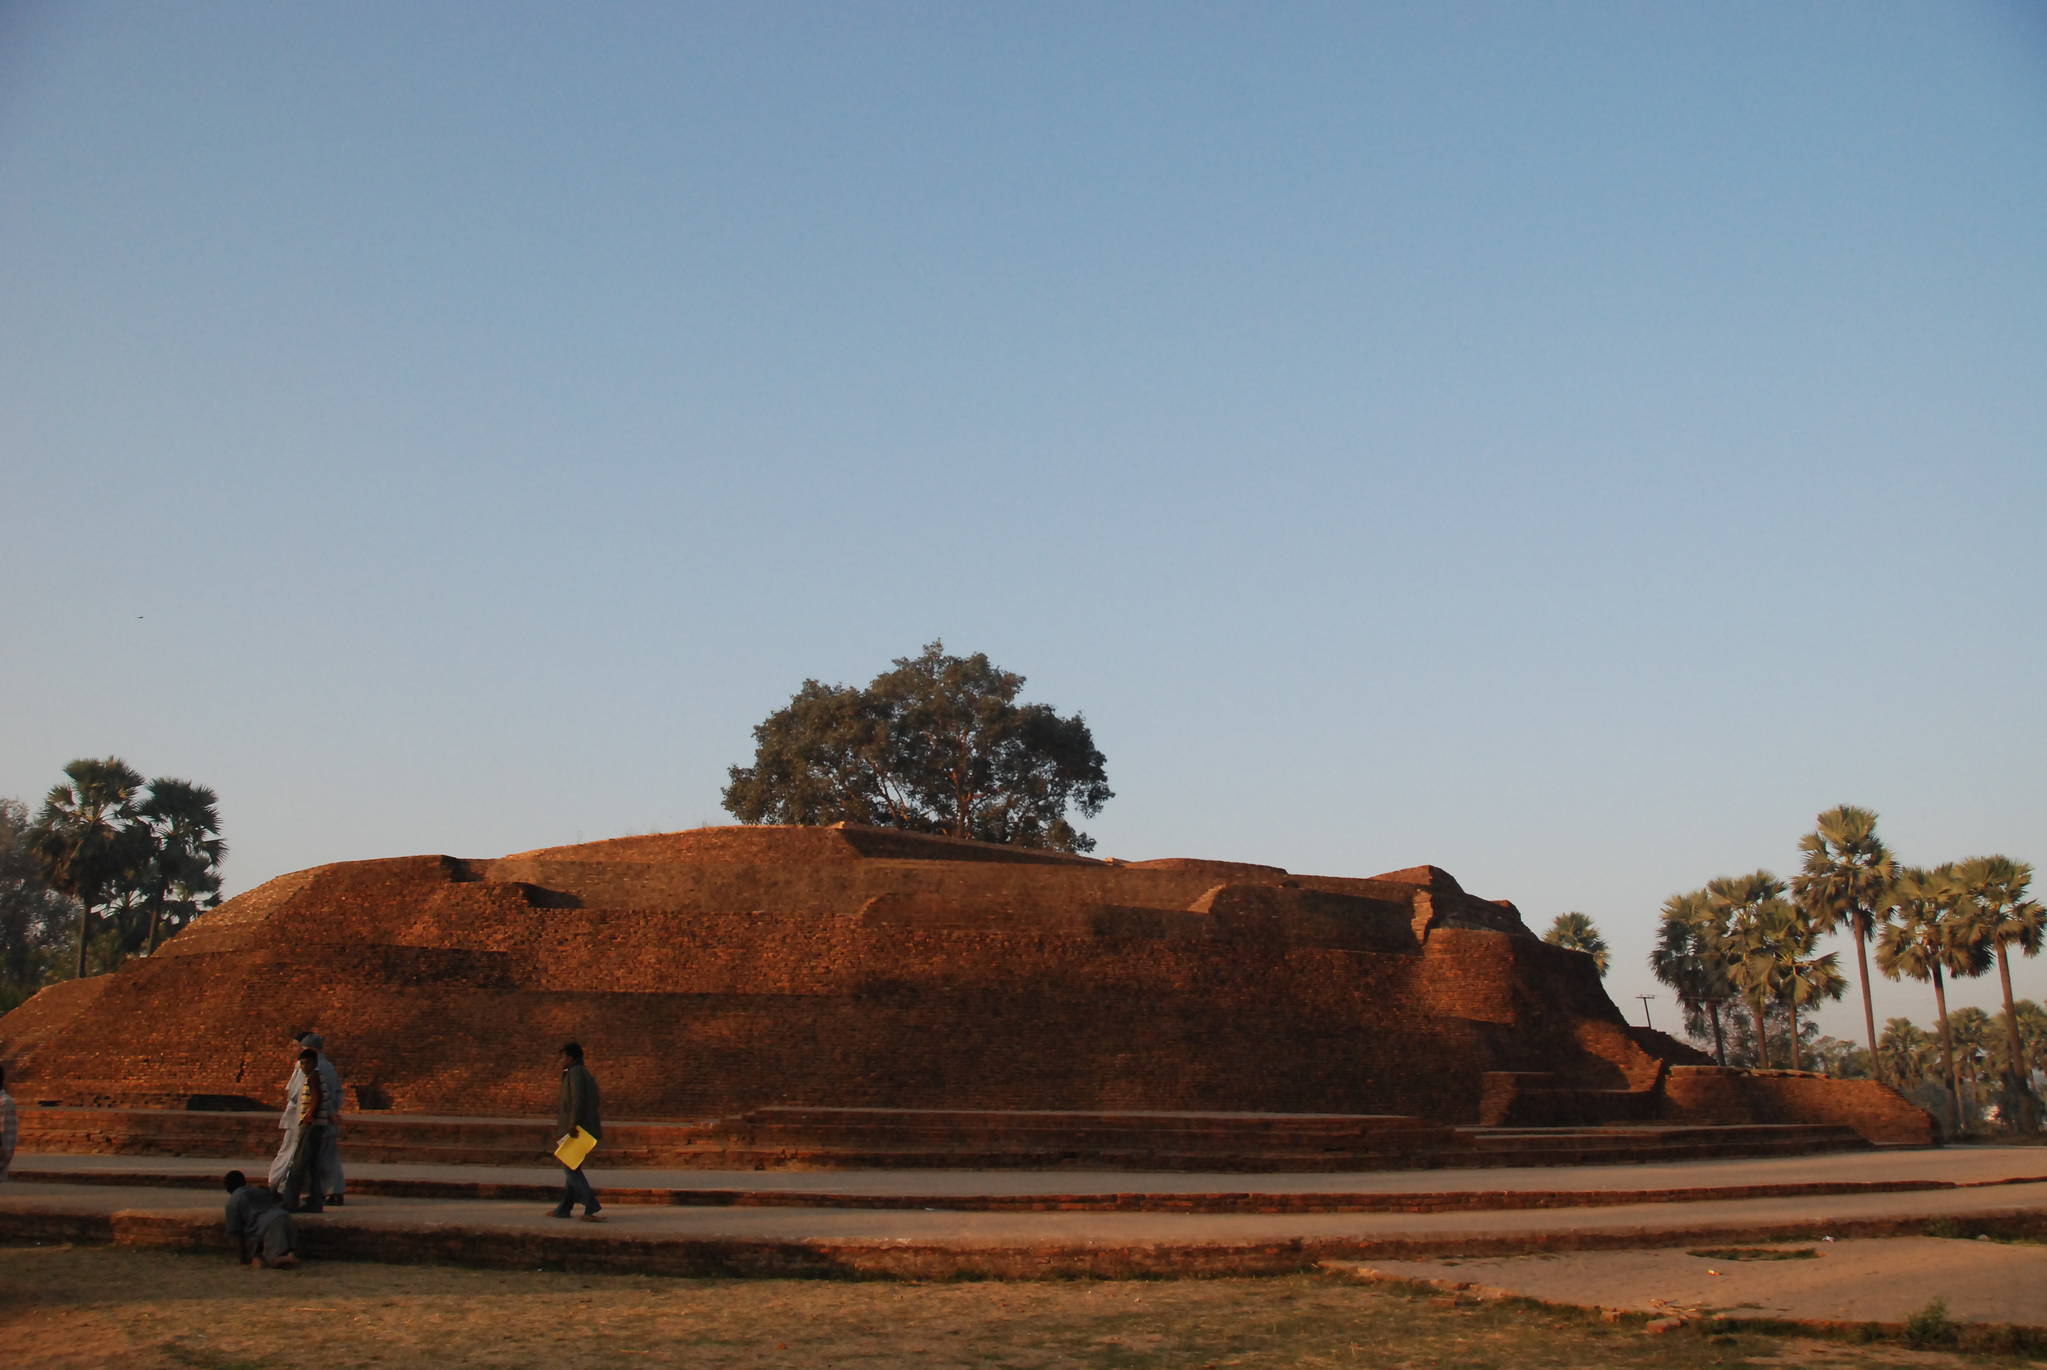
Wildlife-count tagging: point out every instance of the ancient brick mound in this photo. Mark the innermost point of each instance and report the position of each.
(713, 972)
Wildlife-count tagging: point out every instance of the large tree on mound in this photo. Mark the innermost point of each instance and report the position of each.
(936, 744)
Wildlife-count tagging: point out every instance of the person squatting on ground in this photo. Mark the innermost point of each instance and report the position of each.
(262, 1232)
(10, 1125)
(315, 1120)
(578, 1108)
(327, 1164)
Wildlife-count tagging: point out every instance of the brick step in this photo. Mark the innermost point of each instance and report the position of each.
(1577, 1107)
(1621, 1139)
(137, 1131)
(1660, 1156)
(1668, 1151)
(1306, 1138)
(1289, 1124)
(937, 1158)
(1028, 1139)
(1659, 1129)
(1438, 1201)
(910, 1139)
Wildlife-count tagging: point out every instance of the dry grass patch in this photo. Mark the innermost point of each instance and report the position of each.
(67, 1308)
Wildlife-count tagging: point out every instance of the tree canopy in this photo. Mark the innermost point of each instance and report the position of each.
(33, 916)
(1691, 957)
(1845, 879)
(1577, 932)
(935, 744)
(142, 859)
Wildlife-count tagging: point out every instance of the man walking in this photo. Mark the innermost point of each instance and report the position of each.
(578, 1108)
(327, 1165)
(288, 1121)
(315, 1117)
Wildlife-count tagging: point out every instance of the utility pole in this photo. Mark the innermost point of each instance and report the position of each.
(1645, 998)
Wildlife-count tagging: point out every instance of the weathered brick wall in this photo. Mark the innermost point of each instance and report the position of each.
(1711, 1094)
(713, 972)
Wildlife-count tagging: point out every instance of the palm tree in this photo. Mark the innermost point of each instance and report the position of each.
(1932, 938)
(1846, 871)
(183, 821)
(1576, 932)
(1977, 1049)
(1975, 1043)
(1802, 977)
(2032, 1035)
(1752, 908)
(1905, 1049)
(1688, 957)
(85, 836)
(1996, 891)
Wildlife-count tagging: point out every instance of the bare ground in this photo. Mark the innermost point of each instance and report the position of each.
(69, 1308)
(1883, 1280)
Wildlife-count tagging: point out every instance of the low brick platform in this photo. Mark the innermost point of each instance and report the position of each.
(947, 1225)
(788, 1138)
(1439, 1201)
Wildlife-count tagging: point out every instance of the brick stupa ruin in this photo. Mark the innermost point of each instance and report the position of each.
(722, 970)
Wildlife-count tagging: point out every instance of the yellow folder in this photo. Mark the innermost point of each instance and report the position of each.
(572, 1149)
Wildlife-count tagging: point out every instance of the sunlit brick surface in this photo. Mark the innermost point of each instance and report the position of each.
(716, 971)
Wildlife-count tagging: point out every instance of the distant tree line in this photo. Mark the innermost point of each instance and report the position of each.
(1742, 955)
(108, 867)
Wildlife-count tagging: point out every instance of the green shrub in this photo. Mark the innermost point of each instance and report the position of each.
(1931, 1326)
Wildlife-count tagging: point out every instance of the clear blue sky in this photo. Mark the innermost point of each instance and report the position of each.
(1570, 444)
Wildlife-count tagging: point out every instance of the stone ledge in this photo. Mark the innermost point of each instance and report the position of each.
(598, 1249)
(1447, 1201)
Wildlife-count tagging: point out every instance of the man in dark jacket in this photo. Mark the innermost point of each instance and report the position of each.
(578, 1108)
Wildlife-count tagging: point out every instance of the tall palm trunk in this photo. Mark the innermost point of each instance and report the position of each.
(1719, 1042)
(1791, 1002)
(160, 891)
(1755, 1008)
(84, 931)
(1947, 1054)
(2018, 1089)
(1862, 930)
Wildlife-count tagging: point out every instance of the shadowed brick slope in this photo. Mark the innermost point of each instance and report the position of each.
(720, 970)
